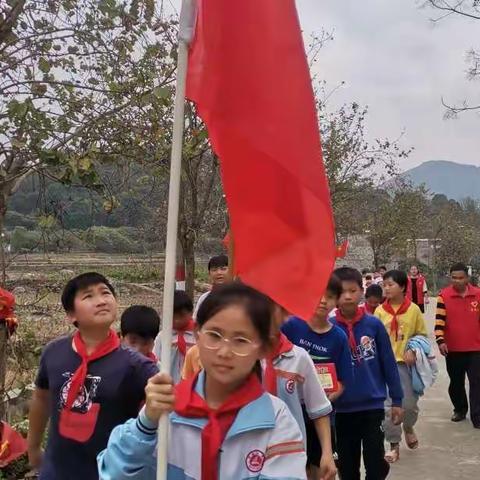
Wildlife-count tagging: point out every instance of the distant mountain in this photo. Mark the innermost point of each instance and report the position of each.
(454, 180)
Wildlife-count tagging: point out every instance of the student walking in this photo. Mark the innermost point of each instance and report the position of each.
(417, 290)
(86, 385)
(403, 320)
(373, 298)
(218, 274)
(223, 425)
(360, 409)
(139, 327)
(328, 347)
(291, 375)
(183, 337)
(457, 331)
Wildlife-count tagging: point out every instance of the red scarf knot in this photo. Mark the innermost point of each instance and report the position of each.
(80, 426)
(181, 342)
(350, 324)
(188, 403)
(394, 325)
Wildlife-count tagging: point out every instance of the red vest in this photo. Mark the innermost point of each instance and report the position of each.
(420, 300)
(462, 326)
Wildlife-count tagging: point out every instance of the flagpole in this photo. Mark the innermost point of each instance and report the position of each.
(187, 17)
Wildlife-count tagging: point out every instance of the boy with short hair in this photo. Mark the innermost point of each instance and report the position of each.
(87, 384)
(218, 274)
(373, 298)
(139, 327)
(360, 410)
(183, 337)
(327, 346)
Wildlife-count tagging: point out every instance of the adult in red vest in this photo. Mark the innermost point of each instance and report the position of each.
(417, 290)
(457, 331)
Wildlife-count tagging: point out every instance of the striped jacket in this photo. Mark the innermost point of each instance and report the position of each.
(263, 443)
(457, 320)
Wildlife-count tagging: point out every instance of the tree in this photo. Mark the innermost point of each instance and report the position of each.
(353, 164)
(393, 218)
(202, 206)
(469, 9)
(455, 230)
(82, 83)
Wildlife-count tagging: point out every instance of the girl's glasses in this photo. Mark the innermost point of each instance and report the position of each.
(240, 346)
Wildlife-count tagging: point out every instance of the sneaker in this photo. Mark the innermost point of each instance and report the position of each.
(458, 417)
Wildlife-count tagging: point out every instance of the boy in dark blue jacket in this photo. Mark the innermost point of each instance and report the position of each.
(360, 410)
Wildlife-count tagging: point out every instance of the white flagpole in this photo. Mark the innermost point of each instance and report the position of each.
(187, 20)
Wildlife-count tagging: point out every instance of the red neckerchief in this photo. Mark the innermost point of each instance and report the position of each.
(7, 314)
(111, 343)
(190, 404)
(368, 308)
(283, 345)
(349, 324)
(151, 356)
(395, 314)
(181, 342)
(7, 302)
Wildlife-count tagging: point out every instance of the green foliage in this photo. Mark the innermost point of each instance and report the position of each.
(25, 240)
(14, 219)
(82, 84)
(352, 163)
(111, 240)
(201, 274)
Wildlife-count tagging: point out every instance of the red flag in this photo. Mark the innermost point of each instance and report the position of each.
(12, 445)
(249, 77)
(342, 249)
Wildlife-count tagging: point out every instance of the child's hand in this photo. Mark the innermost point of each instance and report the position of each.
(409, 358)
(333, 396)
(396, 415)
(159, 396)
(328, 470)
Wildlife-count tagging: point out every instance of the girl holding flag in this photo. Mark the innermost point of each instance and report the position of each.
(223, 424)
(403, 320)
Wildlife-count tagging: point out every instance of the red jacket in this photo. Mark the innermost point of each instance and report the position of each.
(420, 300)
(458, 319)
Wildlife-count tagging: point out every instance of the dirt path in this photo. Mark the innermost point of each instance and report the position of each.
(448, 451)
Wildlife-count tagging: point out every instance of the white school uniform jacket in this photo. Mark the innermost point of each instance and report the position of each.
(297, 384)
(176, 358)
(264, 442)
(200, 300)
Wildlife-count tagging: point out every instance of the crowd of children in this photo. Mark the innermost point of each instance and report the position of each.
(253, 392)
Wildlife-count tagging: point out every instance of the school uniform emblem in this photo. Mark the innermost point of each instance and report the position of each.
(474, 306)
(255, 460)
(290, 385)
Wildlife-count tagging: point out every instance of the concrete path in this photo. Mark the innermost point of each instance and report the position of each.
(447, 451)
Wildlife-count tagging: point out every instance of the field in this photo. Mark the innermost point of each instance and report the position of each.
(37, 281)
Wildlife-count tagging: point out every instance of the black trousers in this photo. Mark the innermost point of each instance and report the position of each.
(460, 364)
(354, 431)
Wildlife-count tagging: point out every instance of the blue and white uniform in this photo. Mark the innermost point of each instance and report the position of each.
(176, 358)
(297, 384)
(263, 443)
